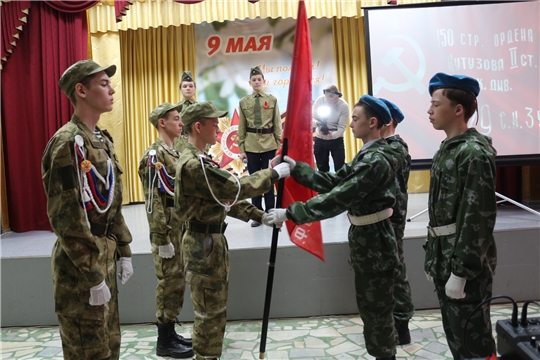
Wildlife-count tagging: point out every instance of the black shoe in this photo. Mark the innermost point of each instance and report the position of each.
(402, 328)
(393, 357)
(255, 224)
(169, 345)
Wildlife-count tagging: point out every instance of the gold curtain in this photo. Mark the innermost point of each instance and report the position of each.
(153, 13)
(152, 64)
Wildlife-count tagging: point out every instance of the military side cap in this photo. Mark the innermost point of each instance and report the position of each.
(161, 110)
(203, 110)
(394, 110)
(186, 76)
(79, 71)
(463, 82)
(255, 71)
(379, 107)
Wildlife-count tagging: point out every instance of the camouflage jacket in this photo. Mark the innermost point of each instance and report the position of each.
(364, 186)
(399, 217)
(194, 188)
(160, 211)
(80, 259)
(462, 191)
(270, 118)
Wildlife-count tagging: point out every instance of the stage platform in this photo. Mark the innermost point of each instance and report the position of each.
(303, 285)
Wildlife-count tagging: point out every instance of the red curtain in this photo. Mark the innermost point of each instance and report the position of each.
(71, 6)
(14, 14)
(33, 107)
(120, 8)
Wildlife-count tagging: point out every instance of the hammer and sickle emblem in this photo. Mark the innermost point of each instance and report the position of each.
(391, 57)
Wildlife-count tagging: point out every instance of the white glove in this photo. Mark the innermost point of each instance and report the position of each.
(99, 294)
(126, 269)
(288, 159)
(429, 277)
(283, 170)
(455, 287)
(266, 221)
(276, 216)
(166, 251)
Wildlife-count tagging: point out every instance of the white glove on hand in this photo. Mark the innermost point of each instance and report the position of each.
(166, 251)
(283, 170)
(277, 160)
(99, 294)
(455, 287)
(126, 269)
(429, 277)
(277, 216)
(266, 221)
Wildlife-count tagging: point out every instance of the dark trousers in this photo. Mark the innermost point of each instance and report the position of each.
(323, 148)
(256, 162)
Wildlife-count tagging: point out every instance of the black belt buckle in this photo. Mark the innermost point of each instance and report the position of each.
(101, 229)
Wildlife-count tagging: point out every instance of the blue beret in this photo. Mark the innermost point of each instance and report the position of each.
(378, 107)
(394, 110)
(463, 82)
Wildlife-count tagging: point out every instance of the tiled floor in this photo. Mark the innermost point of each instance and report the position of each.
(335, 337)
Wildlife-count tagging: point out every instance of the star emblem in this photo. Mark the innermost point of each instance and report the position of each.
(225, 151)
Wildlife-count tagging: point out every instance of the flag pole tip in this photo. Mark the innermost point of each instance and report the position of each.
(261, 355)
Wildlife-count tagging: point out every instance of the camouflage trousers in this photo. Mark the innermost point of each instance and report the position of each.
(404, 308)
(479, 339)
(375, 301)
(92, 339)
(206, 260)
(171, 283)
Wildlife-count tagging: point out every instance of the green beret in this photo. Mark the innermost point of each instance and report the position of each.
(255, 71)
(79, 71)
(186, 76)
(203, 110)
(161, 110)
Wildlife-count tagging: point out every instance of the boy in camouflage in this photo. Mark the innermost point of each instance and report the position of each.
(204, 196)
(156, 171)
(460, 249)
(404, 308)
(83, 185)
(365, 187)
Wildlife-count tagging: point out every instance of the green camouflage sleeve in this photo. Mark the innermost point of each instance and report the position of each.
(476, 217)
(157, 220)
(364, 178)
(65, 210)
(322, 182)
(122, 234)
(222, 184)
(245, 211)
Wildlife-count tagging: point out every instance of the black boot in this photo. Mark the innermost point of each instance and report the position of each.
(402, 328)
(182, 340)
(393, 357)
(168, 344)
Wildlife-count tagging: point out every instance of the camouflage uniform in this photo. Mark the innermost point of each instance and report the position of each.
(84, 256)
(362, 187)
(259, 147)
(404, 308)
(181, 141)
(165, 228)
(205, 248)
(462, 191)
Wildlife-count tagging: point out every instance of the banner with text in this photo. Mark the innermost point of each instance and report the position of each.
(226, 51)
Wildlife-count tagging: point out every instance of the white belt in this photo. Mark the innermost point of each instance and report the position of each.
(442, 230)
(370, 219)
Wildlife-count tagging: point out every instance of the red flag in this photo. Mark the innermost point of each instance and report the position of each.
(298, 130)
